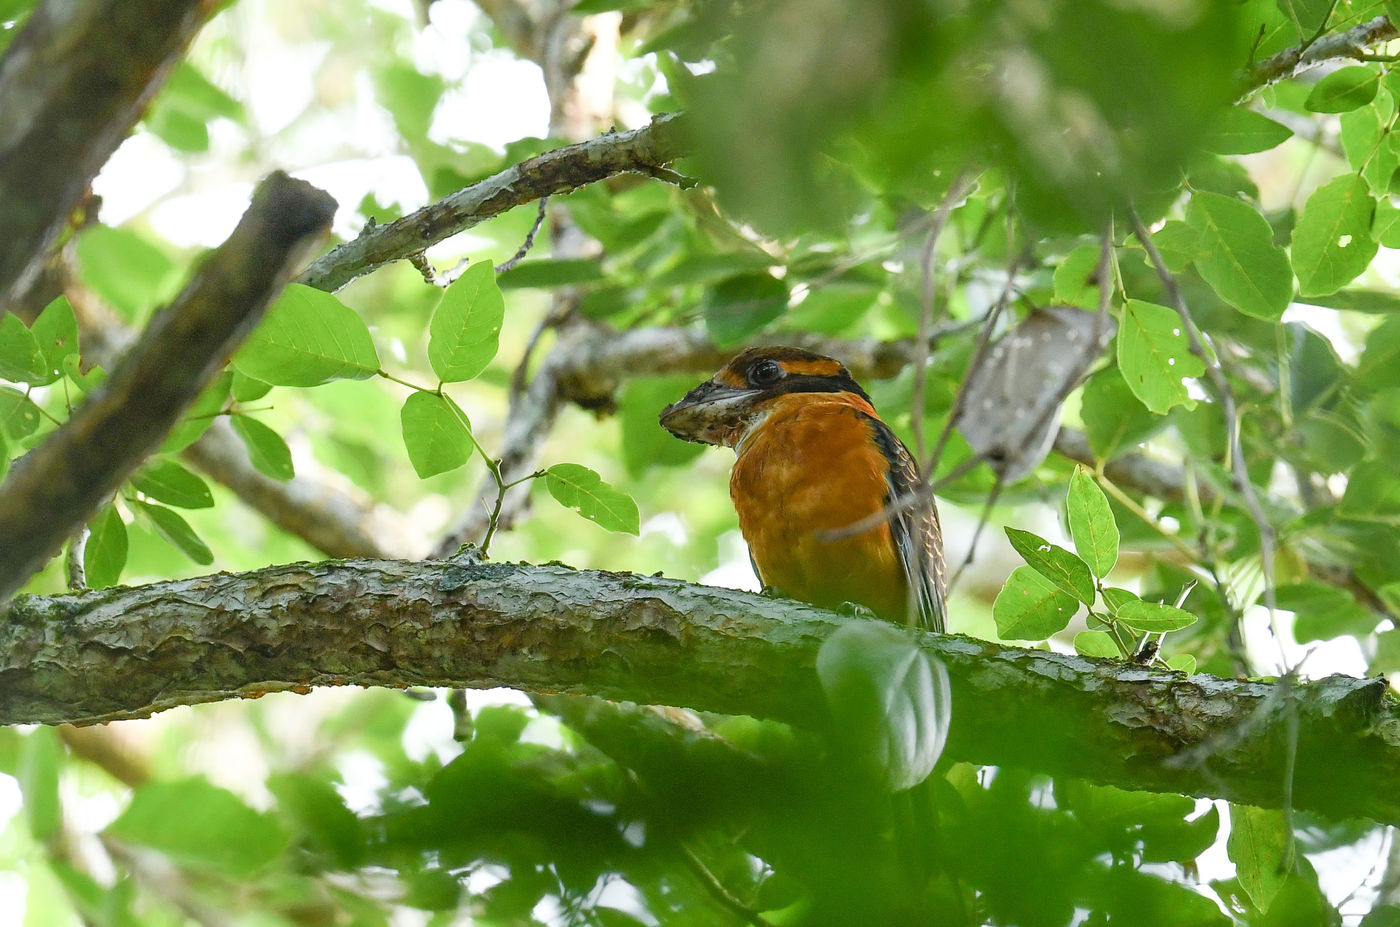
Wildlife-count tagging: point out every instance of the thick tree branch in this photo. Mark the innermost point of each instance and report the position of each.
(74, 81)
(124, 653)
(61, 483)
(559, 171)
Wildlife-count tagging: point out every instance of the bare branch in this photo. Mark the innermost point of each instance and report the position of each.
(60, 484)
(1350, 44)
(75, 80)
(130, 652)
(558, 171)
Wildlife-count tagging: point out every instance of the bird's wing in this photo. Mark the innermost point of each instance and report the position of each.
(915, 530)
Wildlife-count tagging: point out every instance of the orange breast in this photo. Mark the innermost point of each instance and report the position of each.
(812, 467)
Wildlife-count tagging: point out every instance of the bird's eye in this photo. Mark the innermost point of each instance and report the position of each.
(765, 373)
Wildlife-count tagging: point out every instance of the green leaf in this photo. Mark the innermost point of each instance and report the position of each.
(19, 416)
(266, 449)
(743, 305)
(20, 358)
(1096, 644)
(198, 417)
(1344, 89)
(1261, 847)
(436, 434)
(1091, 523)
(1076, 277)
(890, 702)
(1116, 598)
(166, 481)
(105, 553)
(1238, 256)
(1178, 243)
(579, 488)
(551, 274)
(40, 756)
(1332, 242)
(1367, 140)
(1373, 489)
(308, 338)
(247, 389)
(316, 808)
(56, 331)
(1243, 131)
(1056, 564)
(1030, 607)
(1154, 616)
(126, 270)
(1154, 355)
(1183, 663)
(173, 527)
(198, 824)
(1114, 419)
(464, 334)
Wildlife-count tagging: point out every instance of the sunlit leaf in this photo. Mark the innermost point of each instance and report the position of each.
(465, 330)
(1344, 89)
(21, 361)
(1091, 523)
(166, 481)
(19, 416)
(1154, 616)
(1332, 242)
(173, 527)
(1031, 608)
(104, 557)
(1056, 564)
(1238, 256)
(579, 488)
(308, 338)
(1154, 355)
(1244, 131)
(1096, 644)
(435, 433)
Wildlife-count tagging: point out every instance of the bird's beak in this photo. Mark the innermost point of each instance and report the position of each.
(712, 413)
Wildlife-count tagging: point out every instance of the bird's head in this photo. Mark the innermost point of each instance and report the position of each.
(723, 408)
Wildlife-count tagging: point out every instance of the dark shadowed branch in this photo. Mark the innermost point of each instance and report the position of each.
(61, 483)
(130, 652)
(74, 81)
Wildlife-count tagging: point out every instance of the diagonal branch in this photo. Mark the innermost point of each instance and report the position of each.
(129, 652)
(1352, 43)
(75, 80)
(559, 171)
(61, 483)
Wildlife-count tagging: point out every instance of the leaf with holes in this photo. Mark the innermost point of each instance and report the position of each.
(1155, 356)
(1332, 242)
(1064, 569)
(579, 488)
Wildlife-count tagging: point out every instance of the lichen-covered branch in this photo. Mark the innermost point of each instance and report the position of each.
(74, 81)
(649, 148)
(1353, 43)
(123, 653)
(61, 483)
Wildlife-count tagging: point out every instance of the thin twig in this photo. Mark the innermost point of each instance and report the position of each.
(524, 248)
(1232, 426)
(956, 192)
(716, 888)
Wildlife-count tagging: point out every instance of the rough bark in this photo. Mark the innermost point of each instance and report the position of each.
(74, 81)
(649, 148)
(125, 653)
(61, 483)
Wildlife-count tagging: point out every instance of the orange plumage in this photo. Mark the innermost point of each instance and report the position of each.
(813, 459)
